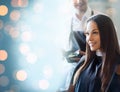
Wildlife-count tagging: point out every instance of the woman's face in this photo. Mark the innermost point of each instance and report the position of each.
(93, 36)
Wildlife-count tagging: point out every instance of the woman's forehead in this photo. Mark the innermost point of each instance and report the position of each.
(91, 24)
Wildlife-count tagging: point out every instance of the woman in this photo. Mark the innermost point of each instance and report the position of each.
(99, 72)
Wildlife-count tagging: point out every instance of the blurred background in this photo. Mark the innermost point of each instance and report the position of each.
(32, 34)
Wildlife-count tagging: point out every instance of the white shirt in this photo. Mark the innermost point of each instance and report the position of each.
(77, 24)
(99, 53)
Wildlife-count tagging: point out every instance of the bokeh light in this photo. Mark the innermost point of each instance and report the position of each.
(15, 15)
(14, 33)
(3, 10)
(21, 75)
(19, 3)
(48, 71)
(44, 84)
(26, 36)
(24, 49)
(33, 34)
(3, 55)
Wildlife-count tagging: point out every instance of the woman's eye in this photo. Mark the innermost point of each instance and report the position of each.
(95, 32)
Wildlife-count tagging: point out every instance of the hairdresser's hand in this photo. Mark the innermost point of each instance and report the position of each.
(76, 55)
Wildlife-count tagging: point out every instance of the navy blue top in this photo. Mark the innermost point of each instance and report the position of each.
(89, 80)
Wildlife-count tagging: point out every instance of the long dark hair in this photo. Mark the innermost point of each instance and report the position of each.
(110, 49)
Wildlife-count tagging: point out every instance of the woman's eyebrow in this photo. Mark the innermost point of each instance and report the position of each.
(91, 30)
(94, 29)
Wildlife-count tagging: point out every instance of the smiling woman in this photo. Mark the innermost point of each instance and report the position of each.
(93, 36)
(32, 34)
(99, 72)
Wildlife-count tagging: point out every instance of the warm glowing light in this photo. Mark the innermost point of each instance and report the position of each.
(19, 3)
(3, 10)
(3, 55)
(4, 81)
(15, 15)
(22, 3)
(43, 84)
(26, 36)
(2, 68)
(14, 33)
(21, 75)
(24, 49)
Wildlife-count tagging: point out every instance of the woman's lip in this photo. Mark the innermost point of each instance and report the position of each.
(91, 44)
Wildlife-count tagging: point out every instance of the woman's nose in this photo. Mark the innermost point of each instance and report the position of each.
(89, 37)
